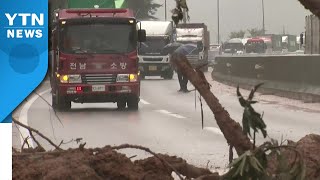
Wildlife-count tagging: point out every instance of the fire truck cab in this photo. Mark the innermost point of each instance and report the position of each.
(95, 58)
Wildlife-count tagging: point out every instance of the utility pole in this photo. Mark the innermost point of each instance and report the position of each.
(218, 16)
(263, 25)
(165, 9)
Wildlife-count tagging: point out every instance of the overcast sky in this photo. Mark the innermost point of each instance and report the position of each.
(243, 14)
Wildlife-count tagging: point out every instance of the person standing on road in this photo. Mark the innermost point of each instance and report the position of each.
(183, 50)
(177, 48)
(183, 82)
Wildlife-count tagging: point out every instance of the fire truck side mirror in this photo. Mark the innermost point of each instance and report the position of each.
(142, 35)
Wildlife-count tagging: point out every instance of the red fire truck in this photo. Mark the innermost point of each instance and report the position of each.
(95, 57)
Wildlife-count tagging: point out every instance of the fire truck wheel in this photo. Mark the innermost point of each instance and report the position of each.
(66, 105)
(133, 103)
(60, 103)
(121, 104)
(54, 102)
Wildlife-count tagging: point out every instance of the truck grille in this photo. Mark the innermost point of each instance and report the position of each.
(152, 59)
(99, 78)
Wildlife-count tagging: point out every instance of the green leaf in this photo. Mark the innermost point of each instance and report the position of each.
(237, 164)
(236, 173)
(236, 161)
(256, 164)
(253, 91)
(243, 163)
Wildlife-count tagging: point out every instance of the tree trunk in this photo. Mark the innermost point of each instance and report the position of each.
(312, 5)
(231, 130)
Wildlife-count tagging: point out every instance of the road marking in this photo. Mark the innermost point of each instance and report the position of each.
(163, 111)
(214, 130)
(177, 116)
(144, 102)
(23, 117)
(170, 114)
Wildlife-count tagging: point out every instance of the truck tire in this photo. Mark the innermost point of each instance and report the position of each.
(168, 75)
(133, 103)
(121, 104)
(54, 102)
(59, 103)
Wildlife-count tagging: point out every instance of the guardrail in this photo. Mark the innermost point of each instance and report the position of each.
(298, 76)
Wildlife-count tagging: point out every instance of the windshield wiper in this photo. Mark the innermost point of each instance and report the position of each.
(82, 51)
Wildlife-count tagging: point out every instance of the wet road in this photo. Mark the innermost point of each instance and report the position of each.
(167, 122)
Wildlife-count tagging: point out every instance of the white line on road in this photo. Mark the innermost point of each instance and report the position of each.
(214, 130)
(144, 102)
(170, 114)
(163, 111)
(177, 116)
(23, 117)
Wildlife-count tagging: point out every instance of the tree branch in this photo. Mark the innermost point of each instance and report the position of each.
(35, 140)
(37, 132)
(126, 146)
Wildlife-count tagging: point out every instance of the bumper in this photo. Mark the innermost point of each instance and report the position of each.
(98, 93)
(154, 69)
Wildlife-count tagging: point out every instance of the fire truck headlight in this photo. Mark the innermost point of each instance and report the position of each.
(75, 78)
(123, 78)
(64, 78)
(133, 77)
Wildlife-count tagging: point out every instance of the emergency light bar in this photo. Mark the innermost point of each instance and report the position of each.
(113, 11)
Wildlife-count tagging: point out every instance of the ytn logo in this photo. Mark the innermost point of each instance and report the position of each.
(24, 25)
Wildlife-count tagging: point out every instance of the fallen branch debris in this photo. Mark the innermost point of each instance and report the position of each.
(44, 164)
(30, 129)
(125, 146)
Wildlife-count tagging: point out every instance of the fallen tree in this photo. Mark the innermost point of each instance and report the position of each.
(253, 162)
(231, 130)
(312, 5)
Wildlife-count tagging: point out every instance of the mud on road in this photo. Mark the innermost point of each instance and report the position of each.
(97, 164)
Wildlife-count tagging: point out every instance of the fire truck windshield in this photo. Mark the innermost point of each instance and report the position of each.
(97, 38)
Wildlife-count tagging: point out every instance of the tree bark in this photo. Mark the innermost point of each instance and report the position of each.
(312, 5)
(231, 130)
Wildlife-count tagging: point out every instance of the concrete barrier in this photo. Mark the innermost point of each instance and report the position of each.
(290, 75)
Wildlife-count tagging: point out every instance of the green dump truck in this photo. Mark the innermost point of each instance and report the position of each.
(62, 4)
(97, 4)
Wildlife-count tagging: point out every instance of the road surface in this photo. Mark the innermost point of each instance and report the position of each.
(167, 122)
